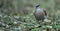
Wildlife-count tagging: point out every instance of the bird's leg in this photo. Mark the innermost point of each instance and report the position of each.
(40, 22)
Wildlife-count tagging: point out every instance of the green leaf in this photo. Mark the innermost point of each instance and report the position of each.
(35, 29)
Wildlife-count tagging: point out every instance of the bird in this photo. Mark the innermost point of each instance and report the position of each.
(40, 13)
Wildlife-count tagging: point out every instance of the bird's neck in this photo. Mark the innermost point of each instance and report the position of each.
(37, 7)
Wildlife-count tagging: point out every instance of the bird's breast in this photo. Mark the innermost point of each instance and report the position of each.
(39, 13)
(39, 10)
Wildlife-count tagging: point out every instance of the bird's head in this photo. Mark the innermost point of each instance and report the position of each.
(37, 6)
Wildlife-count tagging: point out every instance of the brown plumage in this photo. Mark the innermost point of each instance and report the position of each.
(40, 13)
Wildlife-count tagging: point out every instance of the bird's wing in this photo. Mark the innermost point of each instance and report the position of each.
(45, 12)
